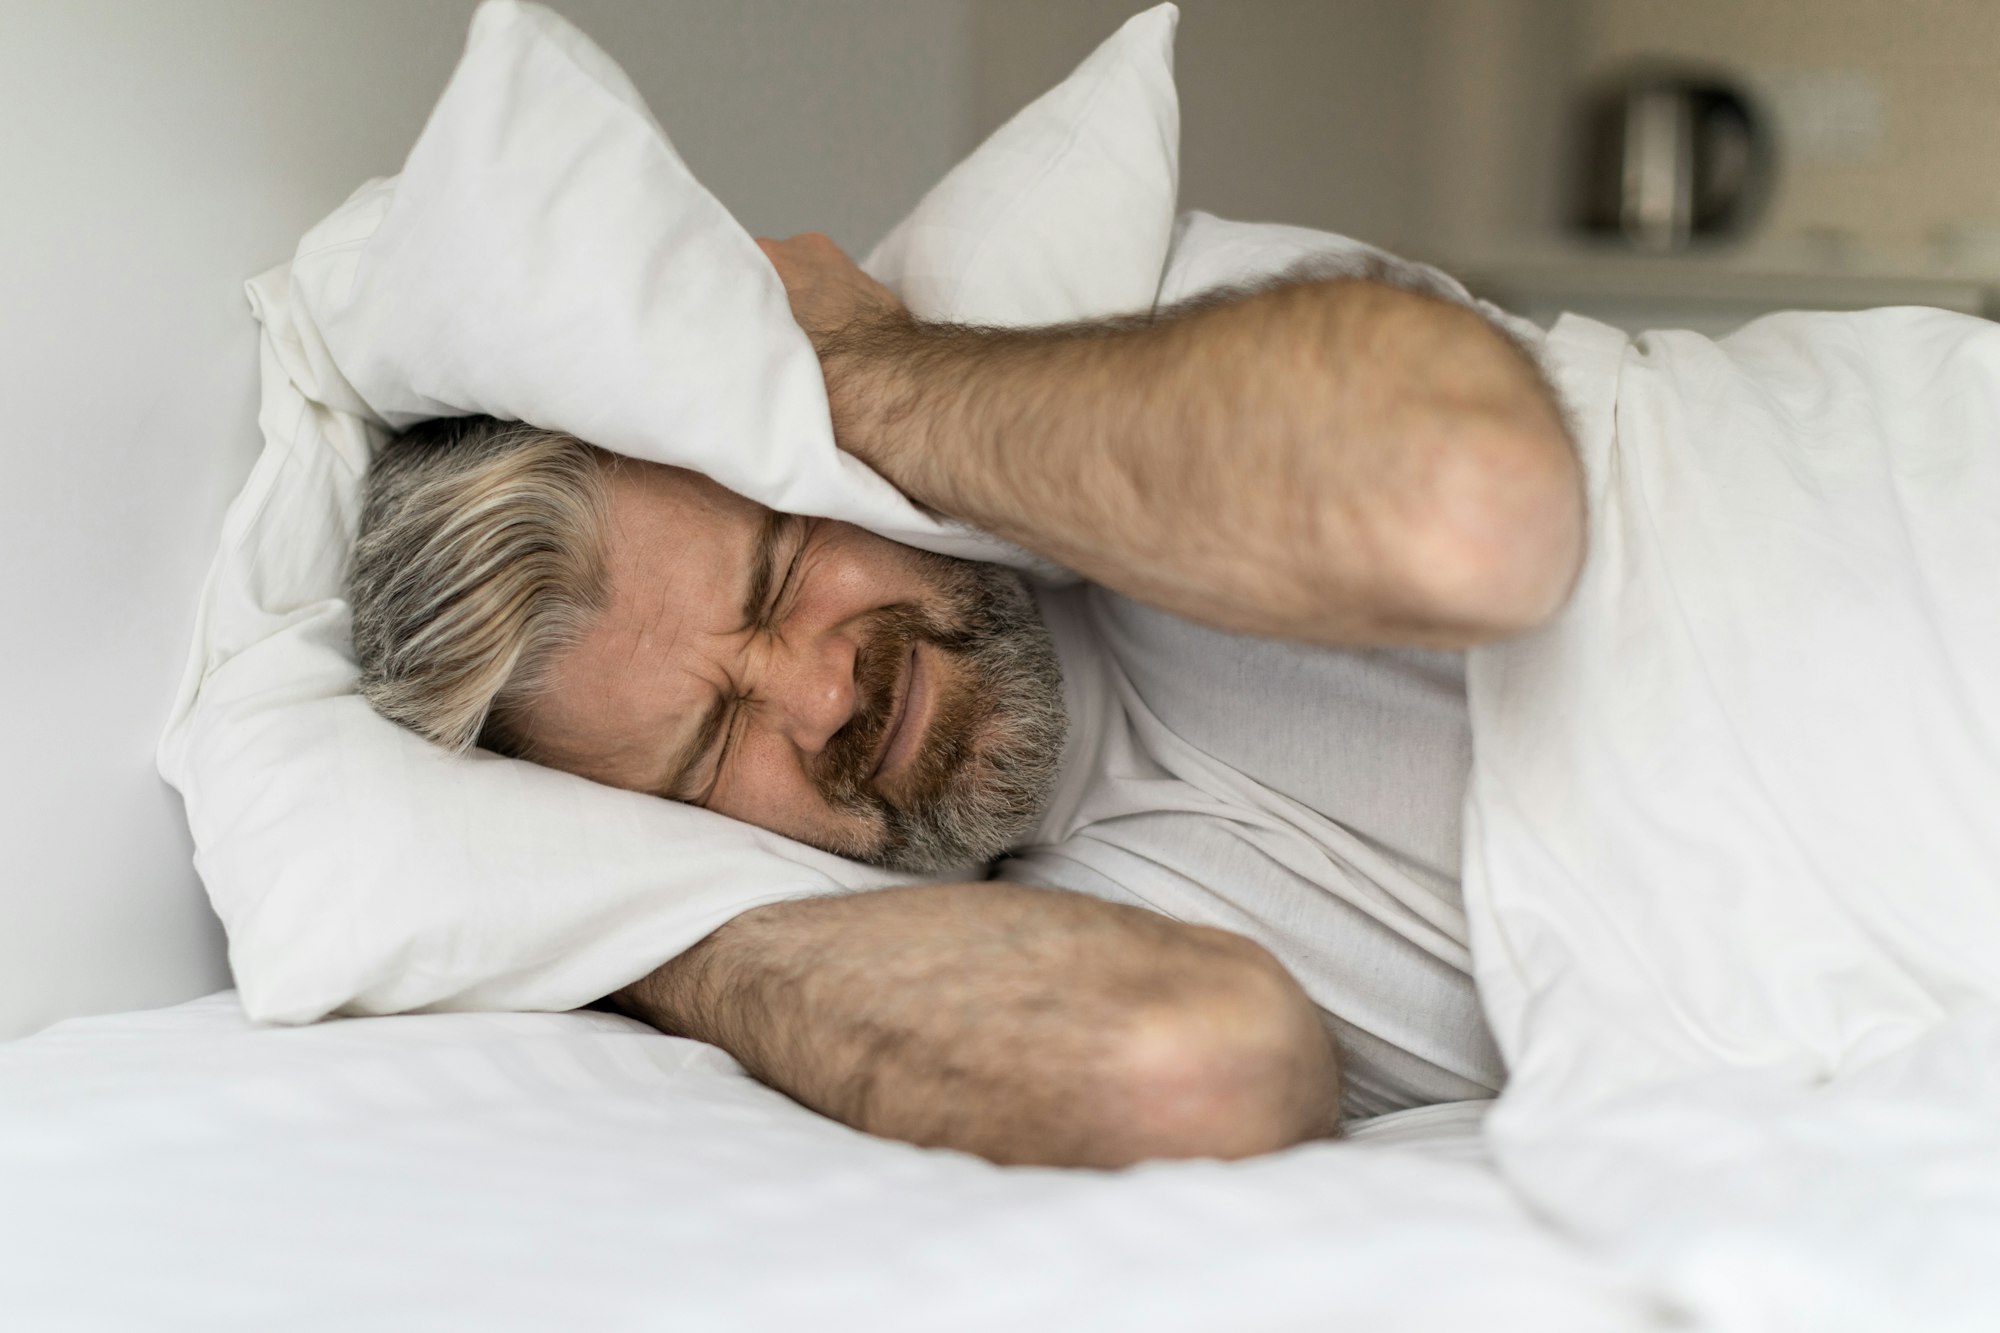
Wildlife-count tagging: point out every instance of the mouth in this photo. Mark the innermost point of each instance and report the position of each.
(905, 732)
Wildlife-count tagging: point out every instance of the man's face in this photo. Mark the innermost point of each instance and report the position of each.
(809, 677)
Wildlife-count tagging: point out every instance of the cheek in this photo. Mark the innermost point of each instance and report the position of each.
(856, 572)
(764, 785)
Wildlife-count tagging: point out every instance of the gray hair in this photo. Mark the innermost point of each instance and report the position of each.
(480, 558)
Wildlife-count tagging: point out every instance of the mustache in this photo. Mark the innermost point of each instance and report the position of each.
(847, 763)
(993, 743)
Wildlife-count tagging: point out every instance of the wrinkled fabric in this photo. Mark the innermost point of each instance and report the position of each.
(527, 1172)
(1733, 831)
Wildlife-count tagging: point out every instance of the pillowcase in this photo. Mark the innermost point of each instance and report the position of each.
(546, 256)
(1208, 252)
(1088, 173)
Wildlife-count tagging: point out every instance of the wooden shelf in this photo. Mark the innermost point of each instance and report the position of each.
(1692, 279)
(1708, 291)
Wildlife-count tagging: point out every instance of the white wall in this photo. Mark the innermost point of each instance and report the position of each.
(155, 153)
(801, 115)
(1300, 111)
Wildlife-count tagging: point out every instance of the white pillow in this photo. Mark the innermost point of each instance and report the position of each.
(1087, 175)
(1208, 252)
(547, 256)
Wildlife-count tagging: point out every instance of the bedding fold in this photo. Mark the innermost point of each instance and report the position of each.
(1733, 834)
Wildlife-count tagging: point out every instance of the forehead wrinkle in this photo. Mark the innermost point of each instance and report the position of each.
(664, 605)
(674, 614)
(679, 556)
(616, 684)
(623, 690)
(666, 742)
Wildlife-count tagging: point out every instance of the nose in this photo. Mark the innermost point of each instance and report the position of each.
(811, 689)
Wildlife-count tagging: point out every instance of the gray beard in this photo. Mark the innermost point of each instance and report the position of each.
(990, 762)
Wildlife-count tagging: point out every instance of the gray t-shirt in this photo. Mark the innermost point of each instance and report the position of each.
(1306, 797)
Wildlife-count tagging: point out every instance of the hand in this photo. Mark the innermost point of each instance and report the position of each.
(834, 301)
(828, 291)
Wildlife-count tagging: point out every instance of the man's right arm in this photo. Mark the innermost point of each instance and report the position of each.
(1024, 1025)
(1334, 461)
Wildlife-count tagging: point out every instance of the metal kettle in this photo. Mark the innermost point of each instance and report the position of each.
(1672, 157)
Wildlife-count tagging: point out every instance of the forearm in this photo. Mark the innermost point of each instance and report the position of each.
(1021, 1024)
(1321, 461)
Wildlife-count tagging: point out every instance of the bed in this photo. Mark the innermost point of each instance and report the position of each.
(1738, 956)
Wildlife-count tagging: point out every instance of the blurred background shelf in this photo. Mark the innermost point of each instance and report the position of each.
(1710, 295)
(1451, 131)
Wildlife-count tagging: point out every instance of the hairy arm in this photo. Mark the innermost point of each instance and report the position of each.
(1025, 1025)
(1329, 460)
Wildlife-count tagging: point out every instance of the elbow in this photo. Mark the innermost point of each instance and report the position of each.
(1235, 1063)
(1495, 543)
(1462, 519)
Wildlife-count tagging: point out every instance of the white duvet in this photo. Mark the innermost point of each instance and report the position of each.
(1733, 840)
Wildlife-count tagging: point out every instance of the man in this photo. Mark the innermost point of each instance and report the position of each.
(1248, 483)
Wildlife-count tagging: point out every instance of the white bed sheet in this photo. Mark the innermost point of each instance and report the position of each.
(183, 1168)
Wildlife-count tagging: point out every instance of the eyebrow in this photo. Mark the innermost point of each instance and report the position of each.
(763, 561)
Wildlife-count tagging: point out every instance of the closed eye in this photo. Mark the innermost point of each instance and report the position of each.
(700, 778)
(738, 708)
(786, 590)
(736, 705)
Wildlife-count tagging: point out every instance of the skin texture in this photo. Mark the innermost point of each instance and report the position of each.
(1328, 461)
(809, 677)
(628, 700)
(1073, 1033)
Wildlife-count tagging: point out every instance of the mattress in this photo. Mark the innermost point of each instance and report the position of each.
(184, 1168)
